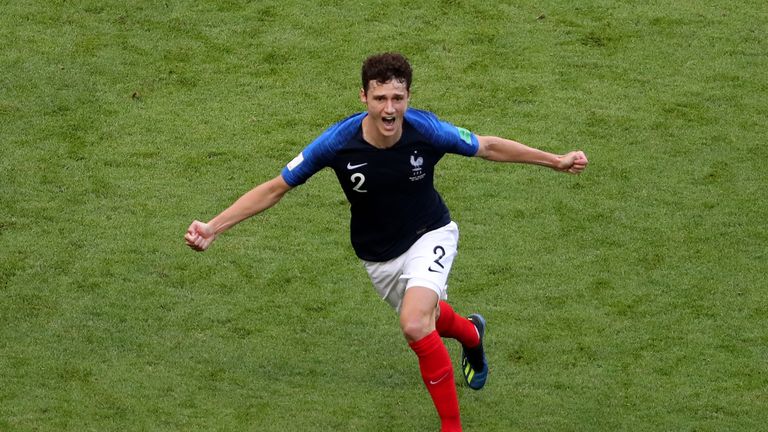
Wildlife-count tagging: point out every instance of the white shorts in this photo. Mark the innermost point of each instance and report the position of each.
(426, 264)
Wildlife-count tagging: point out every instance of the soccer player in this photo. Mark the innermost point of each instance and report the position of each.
(384, 159)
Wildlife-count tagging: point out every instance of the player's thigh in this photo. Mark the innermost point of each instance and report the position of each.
(418, 312)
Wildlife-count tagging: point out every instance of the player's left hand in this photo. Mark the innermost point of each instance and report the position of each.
(199, 236)
(574, 162)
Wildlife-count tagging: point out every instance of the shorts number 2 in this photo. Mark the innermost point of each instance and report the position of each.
(440, 252)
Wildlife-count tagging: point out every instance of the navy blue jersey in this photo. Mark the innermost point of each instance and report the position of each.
(391, 193)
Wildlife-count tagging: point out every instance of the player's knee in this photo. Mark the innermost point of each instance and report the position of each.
(415, 327)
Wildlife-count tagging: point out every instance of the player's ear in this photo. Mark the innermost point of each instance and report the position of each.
(363, 96)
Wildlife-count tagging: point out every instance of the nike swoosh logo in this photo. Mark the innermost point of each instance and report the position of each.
(438, 381)
(351, 167)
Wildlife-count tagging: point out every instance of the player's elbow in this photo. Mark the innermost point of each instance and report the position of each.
(488, 147)
(277, 188)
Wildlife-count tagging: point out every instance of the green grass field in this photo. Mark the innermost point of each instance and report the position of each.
(631, 298)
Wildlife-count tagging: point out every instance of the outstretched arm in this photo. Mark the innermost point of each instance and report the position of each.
(200, 235)
(505, 150)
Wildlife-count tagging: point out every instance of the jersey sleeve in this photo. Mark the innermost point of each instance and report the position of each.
(318, 154)
(446, 136)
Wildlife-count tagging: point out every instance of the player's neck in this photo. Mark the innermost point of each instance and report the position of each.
(372, 136)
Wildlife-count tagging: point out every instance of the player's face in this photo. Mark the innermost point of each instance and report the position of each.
(387, 103)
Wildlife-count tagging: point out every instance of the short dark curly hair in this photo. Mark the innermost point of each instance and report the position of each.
(385, 67)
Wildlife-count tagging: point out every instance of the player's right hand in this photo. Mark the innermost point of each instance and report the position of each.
(199, 236)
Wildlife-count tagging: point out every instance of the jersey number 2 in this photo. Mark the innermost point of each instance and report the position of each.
(358, 179)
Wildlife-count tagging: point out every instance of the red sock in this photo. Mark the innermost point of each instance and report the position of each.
(437, 373)
(452, 325)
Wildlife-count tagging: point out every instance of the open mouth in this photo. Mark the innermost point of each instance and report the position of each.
(389, 121)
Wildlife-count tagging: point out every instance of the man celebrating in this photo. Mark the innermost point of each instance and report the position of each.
(384, 159)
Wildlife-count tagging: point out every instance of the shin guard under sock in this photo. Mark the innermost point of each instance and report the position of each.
(452, 325)
(437, 373)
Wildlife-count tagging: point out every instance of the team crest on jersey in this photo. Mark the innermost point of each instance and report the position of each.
(416, 162)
